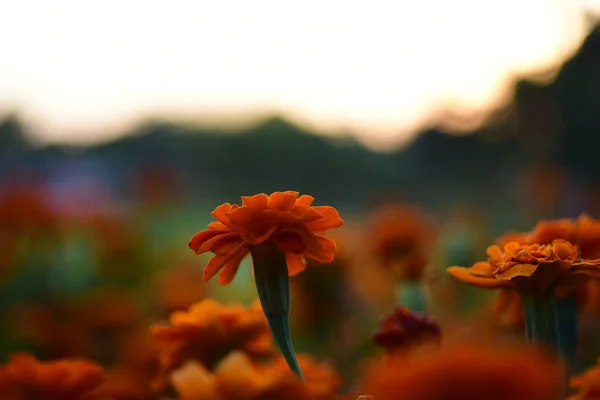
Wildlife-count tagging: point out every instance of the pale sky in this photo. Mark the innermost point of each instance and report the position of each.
(83, 70)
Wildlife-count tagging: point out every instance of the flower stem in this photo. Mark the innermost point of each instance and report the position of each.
(551, 323)
(273, 286)
(412, 296)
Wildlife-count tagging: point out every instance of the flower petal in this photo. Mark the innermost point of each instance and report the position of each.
(259, 201)
(295, 263)
(483, 269)
(241, 217)
(220, 213)
(307, 213)
(217, 262)
(463, 275)
(517, 270)
(226, 245)
(331, 219)
(207, 245)
(283, 201)
(289, 242)
(213, 266)
(218, 226)
(201, 237)
(231, 268)
(305, 200)
(280, 218)
(326, 251)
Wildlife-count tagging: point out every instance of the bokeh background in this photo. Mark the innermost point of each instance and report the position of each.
(124, 123)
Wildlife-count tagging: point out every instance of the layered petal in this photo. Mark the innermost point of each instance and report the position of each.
(463, 274)
(330, 219)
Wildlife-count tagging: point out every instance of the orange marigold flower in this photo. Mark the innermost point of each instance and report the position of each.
(583, 232)
(207, 332)
(399, 237)
(283, 218)
(587, 385)
(404, 329)
(238, 377)
(530, 268)
(464, 372)
(25, 377)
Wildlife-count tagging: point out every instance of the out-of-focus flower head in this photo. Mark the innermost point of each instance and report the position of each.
(207, 332)
(112, 232)
(239, 377)
(25, 377)
(400, 236)
(464, 372)
(26, 209)
(531, 268)
(587, 385)
(583, 232)
(404, 329)
(283, 218)
(179, 287)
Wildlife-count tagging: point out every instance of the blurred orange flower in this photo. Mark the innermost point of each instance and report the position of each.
(26, 210)
(400, 235)
(464, 372)
(404, 329)
(587, 385)
(583, 232)
(530, 268)
(25, 377)
(179, 287)
(282, 218)
(238, 377)
(207, 332)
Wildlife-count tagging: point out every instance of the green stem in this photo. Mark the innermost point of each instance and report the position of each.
(552, 323)
(273, 286)
(412, 296)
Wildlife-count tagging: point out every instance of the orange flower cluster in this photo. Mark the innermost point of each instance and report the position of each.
(464, 372)
(400, 236)
(587, 385)
(220, 352)
(207, 332)
(238, 377)
(25, 377)
(283, 218)
(531, 267)
(404, 329)
(583, 232)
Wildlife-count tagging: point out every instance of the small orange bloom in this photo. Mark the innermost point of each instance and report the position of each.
(404, 329)
(530, 268)
(238, 377)
(25, 377)
(179, 287)
(464, 372)
(283, 218)
(207, 332)
(587, 385)
(400, 235)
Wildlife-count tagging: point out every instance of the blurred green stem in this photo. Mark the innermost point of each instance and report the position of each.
(551, 323)
(411, 294)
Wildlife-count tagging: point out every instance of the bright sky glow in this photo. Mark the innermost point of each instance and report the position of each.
(82, 71)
